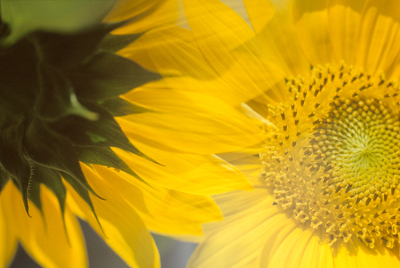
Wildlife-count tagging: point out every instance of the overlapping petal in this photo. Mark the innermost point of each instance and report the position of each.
(185, 121)
(143, 15)
(173, 174)
(52, 241)
(121, 228)
(189, 173)
(362, 33)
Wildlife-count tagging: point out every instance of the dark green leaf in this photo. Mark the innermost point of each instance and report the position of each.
(34, 194)
(120, 107)
(66, 50)
(4, 178)
(18, 78)
(52, 180)
(106, 157)
(108, 75)
(82, 192)
(56, 98)
(47, 148)
(113, 43)
(103, 132)
(13, 160)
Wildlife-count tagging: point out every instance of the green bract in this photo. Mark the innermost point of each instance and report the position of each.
(59, 94)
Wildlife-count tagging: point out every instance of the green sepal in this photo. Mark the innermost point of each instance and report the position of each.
(18, 79)
(66, 50)
(4, 178)
(107, 75)
(106, 157)
(50, 149)
(114, 43)
(56, 98)
(120, 107)
(52, 180)
(34, 194)
(105, 132)
(13, 159)
(83, 193)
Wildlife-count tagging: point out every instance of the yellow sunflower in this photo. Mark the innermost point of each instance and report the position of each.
(319, 78)
(91, 134)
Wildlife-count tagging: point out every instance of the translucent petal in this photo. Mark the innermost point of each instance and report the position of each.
(217, 29)
(189, 173)
(188, 121)
(311, 24)
(47, 239)
(260, 12)
(251, 228)
(358, 255)
(162, 210)
(121, 227)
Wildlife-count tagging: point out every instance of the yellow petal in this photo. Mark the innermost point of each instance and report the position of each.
(289, 253)
(379, 34)
(217, 29)
(162, 210)
(311, 24)
(235, 203)
(45, 238)
(122, 229)
(187, 121)
(300, 248)
(195, 174)
(260, 12)
(278, 43)
(344, 28)
(248, 162)
(358, 255)
(8, 239)
(316, 254)
(247, 232)
(143, 15)
(170, 50)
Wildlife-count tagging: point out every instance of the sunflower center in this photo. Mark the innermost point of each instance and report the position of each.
(332, 154)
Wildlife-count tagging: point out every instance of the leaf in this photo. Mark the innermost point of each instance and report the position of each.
(66, 50)
(82, 192)
(52, 180)
(120, 107)
(107, 75)
(50, 149)
(104, 132)
(4, 178)
(13, 160)
(114, 43)
(106, 157)
(56, 97)
(18, 79)
(34, 194)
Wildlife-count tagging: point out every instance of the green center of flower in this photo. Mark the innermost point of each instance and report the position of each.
(332, 155)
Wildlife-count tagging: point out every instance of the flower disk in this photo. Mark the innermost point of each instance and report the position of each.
(332, 154)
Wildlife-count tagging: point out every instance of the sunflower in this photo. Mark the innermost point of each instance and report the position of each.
(88, 133)
(319, 79)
